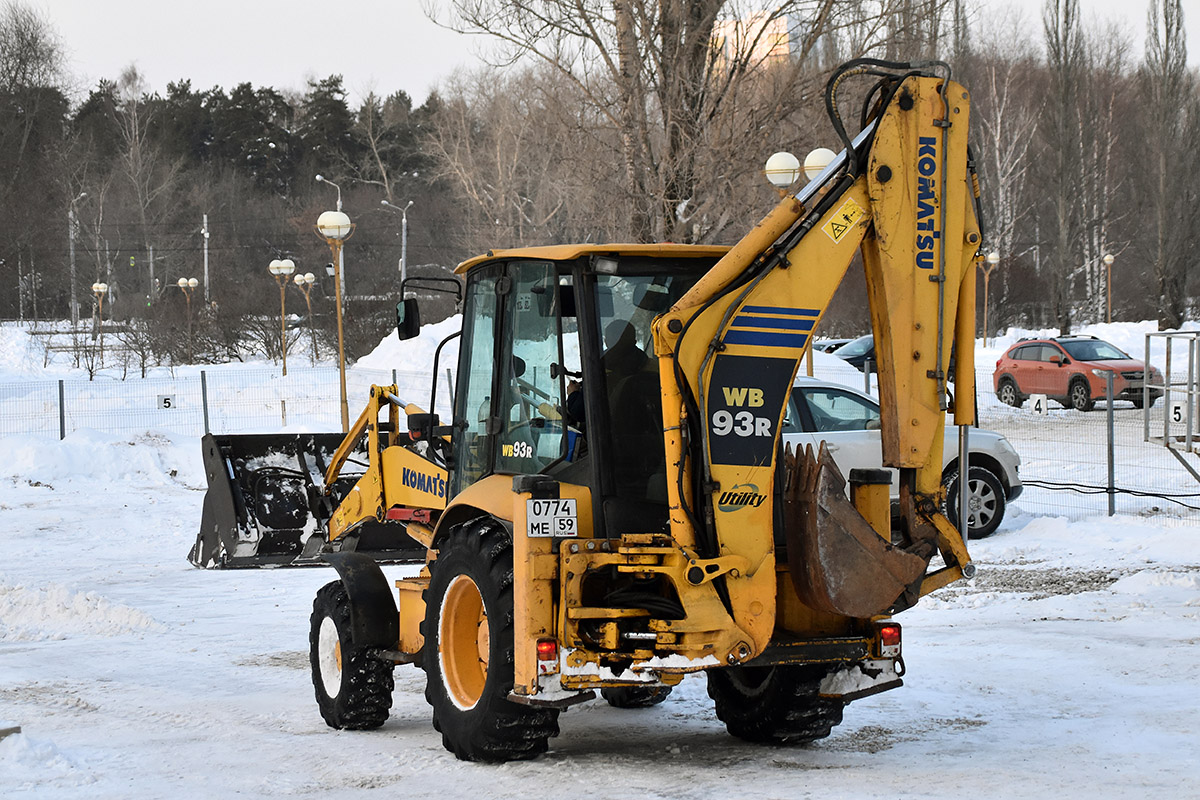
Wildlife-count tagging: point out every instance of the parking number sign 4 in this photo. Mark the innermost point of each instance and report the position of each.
(552, 517)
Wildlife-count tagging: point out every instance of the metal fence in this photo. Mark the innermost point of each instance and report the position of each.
(1065, 453)
(217, 401)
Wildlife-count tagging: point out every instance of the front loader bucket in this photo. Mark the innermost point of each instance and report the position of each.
(264, 506)
(837, 561)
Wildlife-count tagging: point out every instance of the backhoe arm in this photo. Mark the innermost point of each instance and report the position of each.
(729, 350)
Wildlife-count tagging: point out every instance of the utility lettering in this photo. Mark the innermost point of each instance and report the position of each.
(927, 201)
(735, 499)
(431, 484)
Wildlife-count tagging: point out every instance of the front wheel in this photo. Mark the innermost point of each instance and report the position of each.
(353, 687)
(1007, 393)
(468, 661)
(774, 705)
(1080, 396)
(985, 501)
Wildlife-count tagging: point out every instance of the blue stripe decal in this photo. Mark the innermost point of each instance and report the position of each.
(766, 339)
(773, 322)
(791, 312)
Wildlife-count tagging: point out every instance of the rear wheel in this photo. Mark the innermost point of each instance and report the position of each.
(635, 696)
(468, 632)
(353, 687)
(776, 705)
(1008, 394)
(1080, 396)
(985, 501)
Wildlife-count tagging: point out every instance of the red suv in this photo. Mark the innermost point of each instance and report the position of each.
(1070, 370)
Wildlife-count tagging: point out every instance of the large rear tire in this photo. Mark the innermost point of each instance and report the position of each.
(469, 658)
(774, 705)
(353, 687)
(635, 696)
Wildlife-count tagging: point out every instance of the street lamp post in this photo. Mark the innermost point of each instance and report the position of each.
(993, 258)
(304, 283)
(72, 229)
(99, 290)
(335, 228)
(403, 236)
(187, 286)
(1108, 262)
(281, 269)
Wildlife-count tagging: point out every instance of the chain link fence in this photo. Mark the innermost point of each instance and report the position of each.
(216, 401)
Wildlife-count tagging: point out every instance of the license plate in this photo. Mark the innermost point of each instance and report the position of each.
(552, 517)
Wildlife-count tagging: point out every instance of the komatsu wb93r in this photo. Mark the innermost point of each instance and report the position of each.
(609, 507)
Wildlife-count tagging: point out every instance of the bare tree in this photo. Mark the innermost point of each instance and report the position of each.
(141, 161)
(1171, 107)
(668, 79)
(1065, 56)
(1099, 181)
(1006, 109)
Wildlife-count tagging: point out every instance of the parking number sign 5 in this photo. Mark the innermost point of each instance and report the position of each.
(552, 517)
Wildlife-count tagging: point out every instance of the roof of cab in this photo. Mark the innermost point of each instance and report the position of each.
(568, 252)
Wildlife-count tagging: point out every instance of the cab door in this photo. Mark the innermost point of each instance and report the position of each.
(510, 388)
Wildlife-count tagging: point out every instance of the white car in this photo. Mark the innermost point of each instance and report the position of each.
(848, 422)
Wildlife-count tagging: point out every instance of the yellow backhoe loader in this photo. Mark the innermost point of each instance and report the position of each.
(609, 507)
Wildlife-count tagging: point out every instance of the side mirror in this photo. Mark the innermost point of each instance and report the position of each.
(408, 319)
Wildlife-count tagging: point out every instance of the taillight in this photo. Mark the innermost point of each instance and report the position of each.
(547, 657)
(889, 639)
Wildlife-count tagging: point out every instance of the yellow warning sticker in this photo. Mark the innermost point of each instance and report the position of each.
(841, 222)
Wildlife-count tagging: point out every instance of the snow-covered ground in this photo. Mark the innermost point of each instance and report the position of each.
(1066, 668)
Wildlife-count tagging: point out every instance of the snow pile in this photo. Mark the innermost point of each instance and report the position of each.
(415, 355)
(151, 458)
(34, 615)
(27, 763)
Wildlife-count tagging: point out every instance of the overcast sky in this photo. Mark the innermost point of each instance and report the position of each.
(382, 45)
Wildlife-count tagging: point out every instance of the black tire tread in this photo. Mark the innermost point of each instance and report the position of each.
(635, 696)
(365, 699)
(788, 711)
(497, 729)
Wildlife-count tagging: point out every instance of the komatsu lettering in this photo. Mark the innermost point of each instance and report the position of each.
(431, 484)
(927, 202)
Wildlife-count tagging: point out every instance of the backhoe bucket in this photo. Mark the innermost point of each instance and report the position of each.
(838, 562)
(265, 507)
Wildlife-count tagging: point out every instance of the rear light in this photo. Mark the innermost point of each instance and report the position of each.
(547, 657)
(889, 639)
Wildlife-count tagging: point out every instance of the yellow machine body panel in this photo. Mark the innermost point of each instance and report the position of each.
(410, 480)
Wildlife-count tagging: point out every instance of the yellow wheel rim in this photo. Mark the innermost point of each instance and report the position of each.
(463, 642)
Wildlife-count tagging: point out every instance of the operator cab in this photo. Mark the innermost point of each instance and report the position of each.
(539, 325)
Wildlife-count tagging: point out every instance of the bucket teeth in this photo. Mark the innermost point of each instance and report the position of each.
(837, 561)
